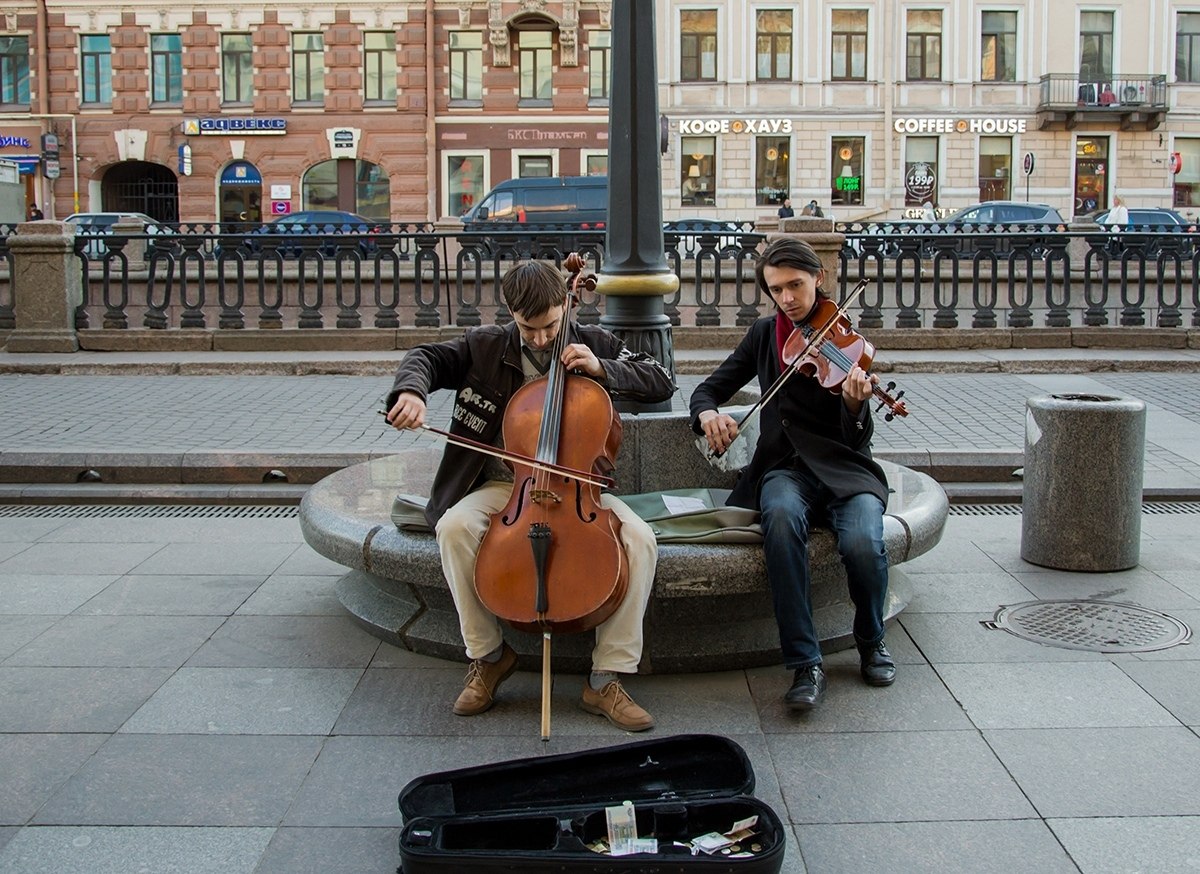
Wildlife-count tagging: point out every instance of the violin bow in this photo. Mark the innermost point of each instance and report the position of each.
(815, 339)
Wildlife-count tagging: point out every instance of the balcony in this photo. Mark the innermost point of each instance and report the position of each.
(1131, 102)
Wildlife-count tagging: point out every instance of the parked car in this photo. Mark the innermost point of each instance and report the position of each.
(287, 233)
(101, 224)
(1148, 226)
(1004, 212)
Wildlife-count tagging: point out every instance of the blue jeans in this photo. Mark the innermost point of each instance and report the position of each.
(791, 501)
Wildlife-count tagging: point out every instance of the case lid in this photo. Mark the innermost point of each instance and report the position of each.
(686, 766)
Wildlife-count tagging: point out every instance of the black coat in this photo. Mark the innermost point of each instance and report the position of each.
(804, 422)
(483, 367)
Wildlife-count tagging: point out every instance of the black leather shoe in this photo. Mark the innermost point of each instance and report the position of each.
(808, 688)
(878, 668)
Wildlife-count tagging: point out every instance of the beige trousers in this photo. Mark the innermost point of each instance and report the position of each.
(459, 533)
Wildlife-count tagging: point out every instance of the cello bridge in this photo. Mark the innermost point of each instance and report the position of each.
(540, 495)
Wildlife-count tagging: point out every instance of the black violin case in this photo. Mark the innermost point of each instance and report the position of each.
(541, 814)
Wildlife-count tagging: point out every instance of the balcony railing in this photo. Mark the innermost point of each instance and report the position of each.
(1067, 98)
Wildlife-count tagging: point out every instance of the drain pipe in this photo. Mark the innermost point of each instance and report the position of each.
(431, 163)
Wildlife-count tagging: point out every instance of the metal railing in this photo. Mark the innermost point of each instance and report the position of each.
(1111, 93)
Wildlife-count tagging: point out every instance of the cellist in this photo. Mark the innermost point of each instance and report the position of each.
(484, 368)
(812, 464)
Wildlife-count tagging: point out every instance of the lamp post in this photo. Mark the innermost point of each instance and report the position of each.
(635, 277)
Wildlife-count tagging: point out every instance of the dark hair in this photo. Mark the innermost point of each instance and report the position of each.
(532, 287)
(788, 252)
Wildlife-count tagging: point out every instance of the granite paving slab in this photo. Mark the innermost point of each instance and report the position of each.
(99, 559)
(121, 850)
(1116, 845)
(28, 530)
(948, 638)
(1139, 586)
(978, 847)
(58, 593)
(185, 780)
(1174, 685)
(173, 595)
(286, 595)
(264, 701)
(73, 699)
(287, 642)
(864, 777)
(35, 766)
(16, 631)
(1052, 695)
(174, 529)
(326, 850)
(964, 591)
(1068, 772)
(216, 558)
(118, 641)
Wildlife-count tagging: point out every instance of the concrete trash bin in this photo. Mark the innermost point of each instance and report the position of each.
(1082, 495)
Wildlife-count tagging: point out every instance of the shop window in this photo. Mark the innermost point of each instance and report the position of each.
(698, 45)
(379, 67)
(771, 173)
(599, 58)
(698, 165)
(995, 168)
(849, 45)
(535, 57)
(535, 165)
(308, 68)
(1095, 46)
(1091, 174)
(95, 65)
(773, 44)
(347, 184)
(924, 41)
(846, 187)
(466, 65)
(1187, 47)
(237, 68)
(596, 165)
(1187, 180)
(998, 45)
(465, 184)
(14, 70)
(166, 68)
(920, 171)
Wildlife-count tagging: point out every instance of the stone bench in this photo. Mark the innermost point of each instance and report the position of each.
(710, 608)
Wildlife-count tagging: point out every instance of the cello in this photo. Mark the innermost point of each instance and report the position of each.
(552, 559)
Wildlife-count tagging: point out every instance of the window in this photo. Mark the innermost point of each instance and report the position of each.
(166, 68)
(599, 57)
(698, 45)
(1095, 46)
(995, 168)
(466, 65)
(308, 68)
(998, 47)
(771, 179)
(773, 48)
(534, 165)
(535, 58)
(698, 168)
(596, 165)
(379, 66)
(237, 70)
(466, 185)
(846, 187)
(95, 63)
(1187, 47)
(14, 70)
(849, 49)
(1187, 180)
(354, 185)
(920, 171)
(924, 45)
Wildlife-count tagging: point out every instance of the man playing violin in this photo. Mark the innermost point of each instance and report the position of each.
(484, 368)
(812, 465)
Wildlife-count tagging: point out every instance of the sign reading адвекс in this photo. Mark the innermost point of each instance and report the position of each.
(241, 125)
(959, 125)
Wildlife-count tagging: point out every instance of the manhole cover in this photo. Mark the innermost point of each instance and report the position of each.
(1096, 626)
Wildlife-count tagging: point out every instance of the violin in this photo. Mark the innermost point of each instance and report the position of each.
(552, 558)
(826, 348)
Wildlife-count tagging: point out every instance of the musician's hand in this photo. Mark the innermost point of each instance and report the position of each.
(579, 357)
(719, 428)
(857, 388)
(408, 412)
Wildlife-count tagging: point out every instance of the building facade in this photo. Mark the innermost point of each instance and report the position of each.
(412, 111)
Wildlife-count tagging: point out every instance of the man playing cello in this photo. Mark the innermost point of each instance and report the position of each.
(812, 464)
(484, 368)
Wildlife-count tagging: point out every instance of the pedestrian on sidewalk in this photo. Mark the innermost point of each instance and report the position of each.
(812, 465)
(484, 368)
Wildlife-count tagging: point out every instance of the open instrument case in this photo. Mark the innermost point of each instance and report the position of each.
(542, 813)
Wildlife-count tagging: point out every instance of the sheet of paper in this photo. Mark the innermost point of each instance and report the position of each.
(678, 504)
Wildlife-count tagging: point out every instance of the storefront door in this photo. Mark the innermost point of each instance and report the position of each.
(240, 195)
(1091, 174)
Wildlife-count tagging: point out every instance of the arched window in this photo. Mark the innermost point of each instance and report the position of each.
(348, 184)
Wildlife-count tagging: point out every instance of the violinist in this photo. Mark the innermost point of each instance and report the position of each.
(484, 368)
(812, 465)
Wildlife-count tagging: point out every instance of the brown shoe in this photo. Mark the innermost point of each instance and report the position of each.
(614, 703)
(483, 679)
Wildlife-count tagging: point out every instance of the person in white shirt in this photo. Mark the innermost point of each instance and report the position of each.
(1118, 215)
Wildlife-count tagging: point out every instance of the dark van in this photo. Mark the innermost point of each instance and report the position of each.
(569, 202)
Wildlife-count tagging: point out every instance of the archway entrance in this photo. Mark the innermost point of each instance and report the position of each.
(139, 186)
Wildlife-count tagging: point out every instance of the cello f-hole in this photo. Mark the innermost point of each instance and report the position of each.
(509, 520)
(583, 517)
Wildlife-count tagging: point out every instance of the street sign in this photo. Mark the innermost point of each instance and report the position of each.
(281, 207)
(51, 169)
(1027, 163)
